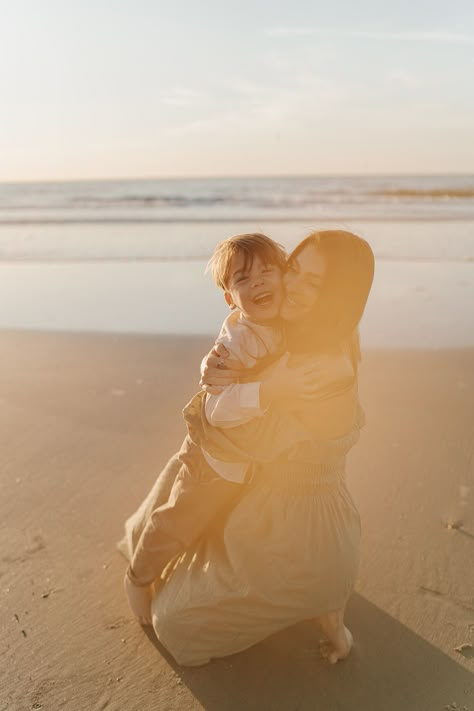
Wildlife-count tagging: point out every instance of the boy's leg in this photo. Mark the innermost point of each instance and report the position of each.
(157, 496)
(197, 495)
(194, 503)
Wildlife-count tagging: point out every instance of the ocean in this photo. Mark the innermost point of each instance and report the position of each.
(129, 255)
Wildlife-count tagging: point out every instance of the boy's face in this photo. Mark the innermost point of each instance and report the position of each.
(256, 291)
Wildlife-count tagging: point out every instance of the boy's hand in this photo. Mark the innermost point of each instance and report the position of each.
(139, 600)
(219, 370)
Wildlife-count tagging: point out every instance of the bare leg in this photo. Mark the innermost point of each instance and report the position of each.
(339, 640)
(139, 600)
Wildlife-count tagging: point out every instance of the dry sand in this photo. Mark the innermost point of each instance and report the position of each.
(87, 421)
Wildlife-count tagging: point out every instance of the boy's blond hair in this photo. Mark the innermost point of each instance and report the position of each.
(250, 245)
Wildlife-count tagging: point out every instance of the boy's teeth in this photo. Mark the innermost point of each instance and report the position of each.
(266, 295)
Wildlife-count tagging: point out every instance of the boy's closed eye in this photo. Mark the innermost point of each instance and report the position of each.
(244, 277)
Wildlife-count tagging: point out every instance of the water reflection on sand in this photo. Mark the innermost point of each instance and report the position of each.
(413, 304)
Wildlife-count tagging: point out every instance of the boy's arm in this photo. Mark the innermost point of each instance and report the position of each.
(234, 349)
(234, 405)
(219, 369)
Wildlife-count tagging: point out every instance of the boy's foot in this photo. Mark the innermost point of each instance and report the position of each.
(338, 647)
(139, 600)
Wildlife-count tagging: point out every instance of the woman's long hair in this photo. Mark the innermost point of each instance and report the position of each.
(345, 288)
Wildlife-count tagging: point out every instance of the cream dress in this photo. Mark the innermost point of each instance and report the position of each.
(287, 551)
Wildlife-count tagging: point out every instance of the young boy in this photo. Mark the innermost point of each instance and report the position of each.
(249, 270)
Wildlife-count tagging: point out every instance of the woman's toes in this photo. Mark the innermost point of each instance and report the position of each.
(325, 648)
(334, 652)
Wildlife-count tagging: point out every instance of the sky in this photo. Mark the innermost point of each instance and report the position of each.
(147, 88)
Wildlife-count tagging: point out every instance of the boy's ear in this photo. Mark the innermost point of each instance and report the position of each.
(228, 300)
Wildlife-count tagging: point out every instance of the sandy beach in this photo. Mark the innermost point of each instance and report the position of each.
(88, 421)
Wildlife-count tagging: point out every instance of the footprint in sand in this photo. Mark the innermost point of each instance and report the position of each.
(117, 623)
(467, 650)
(37, 544)
(117, 392)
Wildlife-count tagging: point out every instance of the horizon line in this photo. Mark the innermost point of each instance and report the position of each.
(237, 176)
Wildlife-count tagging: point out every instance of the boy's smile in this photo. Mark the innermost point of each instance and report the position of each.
(255, 288)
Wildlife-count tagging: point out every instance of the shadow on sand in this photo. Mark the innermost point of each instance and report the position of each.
(390, 669)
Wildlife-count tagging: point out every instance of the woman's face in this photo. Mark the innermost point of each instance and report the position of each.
(302, 282)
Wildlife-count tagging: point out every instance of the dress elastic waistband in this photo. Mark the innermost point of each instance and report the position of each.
(304, 477)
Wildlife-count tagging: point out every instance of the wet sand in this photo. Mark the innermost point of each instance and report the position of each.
(87, 421)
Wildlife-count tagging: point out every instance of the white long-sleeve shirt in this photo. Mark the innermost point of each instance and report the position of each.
(238, 403)
(248, 341)
(234, 405)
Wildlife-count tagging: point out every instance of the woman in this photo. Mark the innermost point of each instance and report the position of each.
(289, 548)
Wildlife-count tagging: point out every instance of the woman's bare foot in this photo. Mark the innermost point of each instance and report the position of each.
(339, 640)
(334, 652)
(139, 601)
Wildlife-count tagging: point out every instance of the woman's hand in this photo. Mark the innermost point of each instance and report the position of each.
(301, 381)
(219, 370)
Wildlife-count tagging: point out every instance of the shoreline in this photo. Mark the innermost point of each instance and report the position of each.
(255, 219)
(88, 419)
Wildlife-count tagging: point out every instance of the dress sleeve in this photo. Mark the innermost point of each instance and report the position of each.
(259, 439)
(265, 437)
(239, 403)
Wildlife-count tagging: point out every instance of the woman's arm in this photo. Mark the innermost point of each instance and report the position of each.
(239, 403)
(283, 425)
(261, 439)
(314, 379)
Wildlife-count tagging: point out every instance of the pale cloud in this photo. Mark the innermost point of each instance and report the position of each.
(418, 36)
(404, 79)
(181, 96)
(252, 105)
(193, 127)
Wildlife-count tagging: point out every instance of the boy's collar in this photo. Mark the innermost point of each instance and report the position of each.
(267, 324)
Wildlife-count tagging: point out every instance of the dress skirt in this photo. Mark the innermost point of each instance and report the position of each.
(286, 552)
